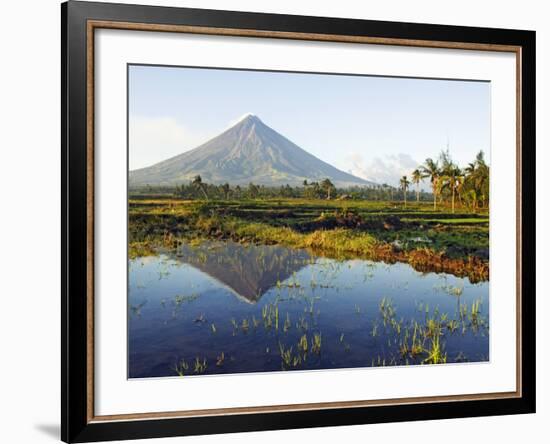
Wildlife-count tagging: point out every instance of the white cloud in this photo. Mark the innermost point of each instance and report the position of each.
(155, 139)
(387, 169)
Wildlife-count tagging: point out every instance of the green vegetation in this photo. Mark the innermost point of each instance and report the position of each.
(386, 332)
(357, 222)
(199, 366)
(427, 239)
(449, 182)
(451, 186)
(422, 339)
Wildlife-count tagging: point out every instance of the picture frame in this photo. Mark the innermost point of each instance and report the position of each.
(80, 21)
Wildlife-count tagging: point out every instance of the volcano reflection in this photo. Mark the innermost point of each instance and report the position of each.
(248, 271)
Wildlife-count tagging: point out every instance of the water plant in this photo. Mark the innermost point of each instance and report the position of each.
(316, 343)
(452, 325)
(136, 309)
(302, 324)
(288, 359)
(387, 310)
(235, 326)
(200, 365)
(475, 312)
(303, 344)
(435, 352)
(287, 323)
(181, 367)
(180, 299)
(456, 291)
(200, 319)
(420, 339)
(270, 316)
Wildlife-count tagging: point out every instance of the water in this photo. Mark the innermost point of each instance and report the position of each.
(222, 298)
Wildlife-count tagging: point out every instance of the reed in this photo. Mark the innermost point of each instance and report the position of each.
(200, 365)
(316, 343)
(181, 367)
(287, 324)
(303, 344)
(435, 352)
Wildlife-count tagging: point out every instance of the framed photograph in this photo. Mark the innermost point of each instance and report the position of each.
(275, 221)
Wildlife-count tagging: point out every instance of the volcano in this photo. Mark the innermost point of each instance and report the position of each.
(249, 151)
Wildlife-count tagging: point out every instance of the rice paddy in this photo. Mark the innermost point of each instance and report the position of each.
(221, 307)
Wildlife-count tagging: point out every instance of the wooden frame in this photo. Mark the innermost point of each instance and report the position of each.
(79, 21)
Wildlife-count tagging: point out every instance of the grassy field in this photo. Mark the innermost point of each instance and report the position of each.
(429, 240)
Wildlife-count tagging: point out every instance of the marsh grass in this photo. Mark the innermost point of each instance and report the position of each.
(181, 368)
(303, 344)
(316, 343)
(420, 340)
(424, 342)
(200, 365)
(287, 324)
(333, 229)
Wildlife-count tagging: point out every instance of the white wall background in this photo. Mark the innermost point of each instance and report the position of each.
(30, 208)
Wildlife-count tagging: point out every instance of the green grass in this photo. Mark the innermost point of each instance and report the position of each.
(339, 229)
(460, 221)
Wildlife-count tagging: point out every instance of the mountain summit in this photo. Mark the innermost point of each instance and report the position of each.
(249, 151)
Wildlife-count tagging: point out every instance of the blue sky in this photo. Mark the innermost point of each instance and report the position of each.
(378, 128)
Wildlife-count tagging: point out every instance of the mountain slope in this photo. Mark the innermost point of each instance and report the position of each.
(250, 151)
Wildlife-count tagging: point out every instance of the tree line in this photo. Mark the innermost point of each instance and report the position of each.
(324, 189)
(467, 187)
(198, 188)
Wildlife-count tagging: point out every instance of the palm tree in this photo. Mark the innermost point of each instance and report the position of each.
(306, 190)
(226, 189)
(482, 176)
(476, 181)
(460, 186)
(198, 183)
(388, 191)
(327, 186)
(416, 179)
(450, 174)
(253, 190)
(315, 189)
(454, 177)
(404, 182)
(430, 170)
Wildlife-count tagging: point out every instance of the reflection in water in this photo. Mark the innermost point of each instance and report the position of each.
(295, 311)
(249, 271)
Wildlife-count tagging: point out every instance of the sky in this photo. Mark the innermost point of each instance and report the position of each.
(377, 128)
